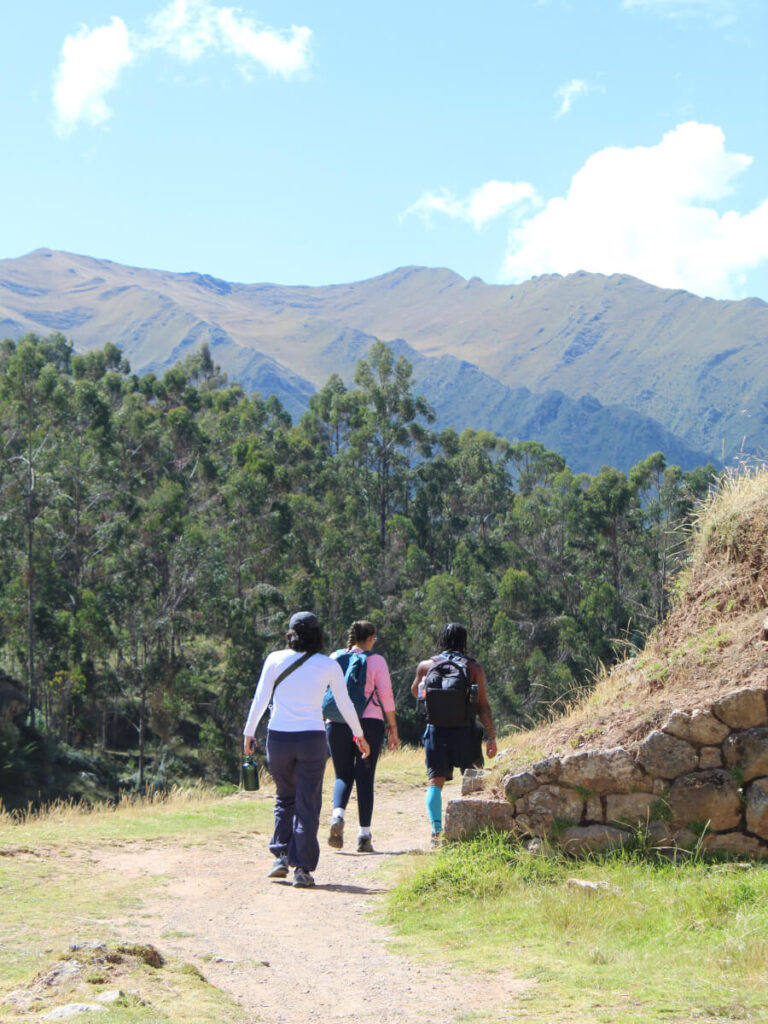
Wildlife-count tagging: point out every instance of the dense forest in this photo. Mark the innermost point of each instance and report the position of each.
(156, 532)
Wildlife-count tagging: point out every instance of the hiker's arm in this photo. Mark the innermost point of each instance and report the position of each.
(484, 710)
(393, 739)
(385, 698)
(421, 671)
(259, 705)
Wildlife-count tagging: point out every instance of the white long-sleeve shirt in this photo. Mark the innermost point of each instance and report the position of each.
(297, 704)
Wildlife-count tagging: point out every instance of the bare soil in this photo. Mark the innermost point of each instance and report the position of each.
(302, 955)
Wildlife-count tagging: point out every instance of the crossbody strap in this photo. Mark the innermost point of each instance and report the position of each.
(291, 668)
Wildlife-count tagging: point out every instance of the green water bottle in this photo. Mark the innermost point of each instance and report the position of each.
(250, 772)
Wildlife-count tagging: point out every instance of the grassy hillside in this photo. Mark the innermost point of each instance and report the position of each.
(713, 641)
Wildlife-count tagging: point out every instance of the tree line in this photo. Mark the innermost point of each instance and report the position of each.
(157, 530)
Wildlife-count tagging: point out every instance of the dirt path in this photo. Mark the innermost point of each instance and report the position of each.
(297, 956)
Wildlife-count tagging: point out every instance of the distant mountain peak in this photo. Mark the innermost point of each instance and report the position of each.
(693, 370)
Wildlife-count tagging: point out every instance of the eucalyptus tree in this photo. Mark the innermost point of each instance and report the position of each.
(30, 395)
(389, 433)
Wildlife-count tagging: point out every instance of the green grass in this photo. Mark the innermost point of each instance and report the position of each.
(659, 943)
(52, 892)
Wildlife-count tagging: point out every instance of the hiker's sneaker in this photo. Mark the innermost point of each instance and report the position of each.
(436, 840)
(302, 879)
(364, 844)
(336, 837)
(279, 867)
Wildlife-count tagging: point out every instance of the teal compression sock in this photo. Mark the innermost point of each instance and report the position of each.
(435, 807)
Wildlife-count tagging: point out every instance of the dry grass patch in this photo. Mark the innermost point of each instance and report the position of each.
(197, 812)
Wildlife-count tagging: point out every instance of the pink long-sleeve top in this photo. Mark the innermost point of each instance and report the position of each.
(376, 679)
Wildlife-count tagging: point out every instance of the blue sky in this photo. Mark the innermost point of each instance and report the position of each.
(311, 143)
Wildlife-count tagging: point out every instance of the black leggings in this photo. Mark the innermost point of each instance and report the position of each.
(349, 765)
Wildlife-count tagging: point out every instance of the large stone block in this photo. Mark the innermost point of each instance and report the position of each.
(699, 727)
(547, 771)
(465, 816)
(685, 839)
(743, 709)
(603, 771)
(580, 839)
(747, 753)
(538, 810)
(518, 785)
(757, 808)
(659, 833)
(629, 808)
(666, 756)
(735, 844)
(710, 757)
(705, 797)
(473, 781)
(593, 809)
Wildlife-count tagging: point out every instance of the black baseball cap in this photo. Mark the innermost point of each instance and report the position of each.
(303, 619)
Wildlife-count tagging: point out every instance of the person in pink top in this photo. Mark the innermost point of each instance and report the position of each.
(348, 764)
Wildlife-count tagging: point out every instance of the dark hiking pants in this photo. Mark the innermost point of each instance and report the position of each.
(297, 763)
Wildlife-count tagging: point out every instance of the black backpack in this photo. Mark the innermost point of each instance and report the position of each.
(449, 697)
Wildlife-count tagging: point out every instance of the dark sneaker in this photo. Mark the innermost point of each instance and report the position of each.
(364, 844)
(436, 840)
(302, 879)
(336, 838)
(279, 867)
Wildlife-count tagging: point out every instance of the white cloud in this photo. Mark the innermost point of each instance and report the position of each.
(648, 211)
(284, 53)
(483, 204)
(568, 92)
(91, 62)
(644, 211)
(186, 29)
(189, 28)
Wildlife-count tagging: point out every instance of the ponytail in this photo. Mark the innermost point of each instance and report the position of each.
(359, 632)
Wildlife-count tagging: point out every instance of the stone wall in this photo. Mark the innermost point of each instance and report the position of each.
(699, 780)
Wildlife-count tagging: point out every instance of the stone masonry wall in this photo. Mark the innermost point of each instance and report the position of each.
(702, 778)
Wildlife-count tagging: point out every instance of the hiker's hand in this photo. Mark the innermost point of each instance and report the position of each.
(249, 745)
(363, 745)
(490, 747)
(393, 740)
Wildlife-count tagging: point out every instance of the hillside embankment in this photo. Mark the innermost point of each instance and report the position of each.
(673, 743)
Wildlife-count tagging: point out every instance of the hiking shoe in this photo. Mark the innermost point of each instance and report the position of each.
(436, 840)
(336, 838)
(279, 867)
(364, 844)
(302, 879)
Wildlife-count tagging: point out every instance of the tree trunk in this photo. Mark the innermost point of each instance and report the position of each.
(31, 588)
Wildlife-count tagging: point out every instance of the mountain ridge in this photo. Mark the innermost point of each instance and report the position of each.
(661, 364)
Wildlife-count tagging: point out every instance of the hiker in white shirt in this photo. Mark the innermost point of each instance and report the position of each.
(295, 679)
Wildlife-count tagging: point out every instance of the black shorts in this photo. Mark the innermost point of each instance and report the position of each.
(446, 749)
